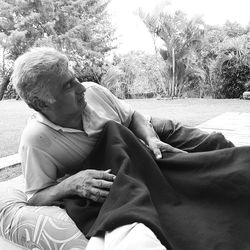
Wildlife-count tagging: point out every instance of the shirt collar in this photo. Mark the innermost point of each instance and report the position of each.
(42, 119)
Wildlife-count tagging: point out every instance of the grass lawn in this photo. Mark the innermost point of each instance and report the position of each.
(14, 116)
(191, 112)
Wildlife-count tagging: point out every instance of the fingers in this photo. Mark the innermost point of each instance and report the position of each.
(104, 175)
(157, 153)
(94, 184)
(96, 194)
(158, 147)
(169, 148)
(103, 184)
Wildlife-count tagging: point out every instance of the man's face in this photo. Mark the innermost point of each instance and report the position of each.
(69, 95)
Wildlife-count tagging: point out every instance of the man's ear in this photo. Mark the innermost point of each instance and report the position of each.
(38, 104)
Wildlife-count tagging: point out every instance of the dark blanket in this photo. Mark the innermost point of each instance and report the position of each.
(194, 201)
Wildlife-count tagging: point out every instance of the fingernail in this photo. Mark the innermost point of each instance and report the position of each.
(158, 156)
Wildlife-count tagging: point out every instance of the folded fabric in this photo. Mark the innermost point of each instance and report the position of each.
(190, 201)
(133, 236)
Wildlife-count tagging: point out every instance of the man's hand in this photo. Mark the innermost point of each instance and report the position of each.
(157, 146)
(91, 184)
(145, 131)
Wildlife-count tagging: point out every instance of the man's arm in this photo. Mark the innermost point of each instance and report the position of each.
(91, 184)
(145, 131)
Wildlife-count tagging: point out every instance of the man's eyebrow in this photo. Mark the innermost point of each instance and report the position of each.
(71, 79)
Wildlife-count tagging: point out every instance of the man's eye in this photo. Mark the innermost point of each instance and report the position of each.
(69, 85)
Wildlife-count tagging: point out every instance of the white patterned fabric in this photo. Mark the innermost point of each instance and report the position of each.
(37, 228)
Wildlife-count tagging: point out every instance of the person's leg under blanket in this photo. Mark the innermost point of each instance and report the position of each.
(133, 236)
(188, 139)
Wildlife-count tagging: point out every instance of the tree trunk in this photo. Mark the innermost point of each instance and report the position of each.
(171, 87)
(174, 82)
(176, 88)
(3, 86)
(179, 86)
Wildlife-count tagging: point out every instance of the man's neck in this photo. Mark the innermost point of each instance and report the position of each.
(74, 122)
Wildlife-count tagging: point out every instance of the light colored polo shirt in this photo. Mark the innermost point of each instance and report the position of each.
(49, 151)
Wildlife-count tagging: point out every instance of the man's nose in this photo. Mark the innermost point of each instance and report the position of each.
(80, 89)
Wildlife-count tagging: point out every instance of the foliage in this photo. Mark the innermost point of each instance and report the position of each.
(113, 81)
(213, 37)
(223, 57)
(182, 40)
(196, 59)
(79, 28)
(10, 93)
(199, 57)
(233, 29)
(247, 86)
(233, 67)
(136, 74)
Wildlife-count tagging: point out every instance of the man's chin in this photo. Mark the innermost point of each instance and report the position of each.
(83, 104)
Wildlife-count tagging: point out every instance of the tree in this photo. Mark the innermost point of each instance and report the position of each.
(135, 74)
(233, 67)
(182, 40)
(233, 29)
(213, 37)
(5, 65)
(79, 28)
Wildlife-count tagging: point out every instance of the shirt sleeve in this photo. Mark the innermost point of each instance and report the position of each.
(123, 109)
(38, 168)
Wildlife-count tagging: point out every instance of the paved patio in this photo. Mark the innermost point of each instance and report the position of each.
(235, 126)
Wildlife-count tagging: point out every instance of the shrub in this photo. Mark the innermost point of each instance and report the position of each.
(138, 75)
(10, 93)
(247, 86)
(234, 75)
(231, 68)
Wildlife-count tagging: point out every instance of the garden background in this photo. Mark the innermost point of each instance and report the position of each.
(196, 71)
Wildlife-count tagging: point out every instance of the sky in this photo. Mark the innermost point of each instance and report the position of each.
(132, 33)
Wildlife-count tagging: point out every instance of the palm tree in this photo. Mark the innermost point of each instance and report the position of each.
(182, 40)
(232, 66)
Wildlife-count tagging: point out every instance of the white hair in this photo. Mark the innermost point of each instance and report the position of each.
(31, 72)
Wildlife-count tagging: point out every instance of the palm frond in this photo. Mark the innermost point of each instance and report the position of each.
(111, 77)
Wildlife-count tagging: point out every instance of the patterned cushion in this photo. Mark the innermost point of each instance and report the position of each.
(44, 227)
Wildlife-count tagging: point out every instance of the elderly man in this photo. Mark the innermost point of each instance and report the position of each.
(70, 116)
(65, 128)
